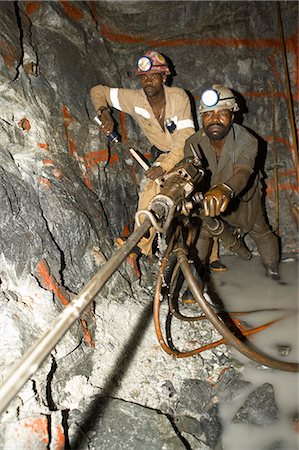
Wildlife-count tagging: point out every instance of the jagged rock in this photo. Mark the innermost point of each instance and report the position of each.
(230, 385)
(194, 397)
(212, 426)
(115, 424)
(196, 414)
(65, 195)
(259, 408)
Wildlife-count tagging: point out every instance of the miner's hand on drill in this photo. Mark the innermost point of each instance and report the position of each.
(107, 121)
(217, 199)
(155, 172)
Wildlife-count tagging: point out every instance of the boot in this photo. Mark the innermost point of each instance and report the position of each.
(272, 271)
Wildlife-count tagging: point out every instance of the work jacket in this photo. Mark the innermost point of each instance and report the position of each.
(239, 150)
(135, 103)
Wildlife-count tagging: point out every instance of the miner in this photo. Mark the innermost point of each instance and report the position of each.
(229, 154)
(162, 112)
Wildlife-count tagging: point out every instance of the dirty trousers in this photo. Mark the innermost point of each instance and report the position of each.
(265, 240)
(149, 189)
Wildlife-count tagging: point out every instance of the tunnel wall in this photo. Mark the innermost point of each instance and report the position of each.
(65, 195)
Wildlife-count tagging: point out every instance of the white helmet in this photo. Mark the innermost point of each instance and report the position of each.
(218, 97)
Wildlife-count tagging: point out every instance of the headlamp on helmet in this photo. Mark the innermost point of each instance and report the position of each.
(144, 63)
(152, 62)
(219, 97)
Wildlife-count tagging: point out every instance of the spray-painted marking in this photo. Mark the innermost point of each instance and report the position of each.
(92, 158)
(48, 162)
(73, 149)
(24, 124)
(38, 425)
(282, 187)
(126, 231)
(87, 335)
(9, 54)
(72, 11)
(43, 145)
(122, 118)
(45, 182)
(291, 44)
(51, 285)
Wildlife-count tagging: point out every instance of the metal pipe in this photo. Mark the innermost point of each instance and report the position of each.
(221, 327)
(288, 87)
(33, 358)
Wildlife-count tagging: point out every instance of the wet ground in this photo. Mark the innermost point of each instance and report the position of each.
(243, 288)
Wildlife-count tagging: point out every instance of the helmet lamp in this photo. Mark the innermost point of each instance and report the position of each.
(210, 97)
(144, 63)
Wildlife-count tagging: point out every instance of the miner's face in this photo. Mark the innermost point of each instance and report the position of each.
(217, 123)
(152, 83)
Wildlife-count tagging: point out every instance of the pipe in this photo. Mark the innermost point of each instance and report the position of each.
(167, 346)
(33, 358)
(288, 87)
(219, 325)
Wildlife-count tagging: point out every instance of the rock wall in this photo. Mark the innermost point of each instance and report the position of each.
(65, 195)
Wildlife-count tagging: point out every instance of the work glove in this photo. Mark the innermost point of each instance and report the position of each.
(217, 199)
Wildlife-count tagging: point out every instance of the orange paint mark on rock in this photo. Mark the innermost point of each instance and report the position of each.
(132, 260)
(276, 72)
(38, 425)
(124, 135)
(287, 172)
(67, 116)
(45, 182)
(48, 162)
(93, 10)
(283, 187)
(87, 181)
(72, 11)
(117, 37)
(126, 231)
(93, 158)
(31, 7)
(9, 53)
(59, 439)
(43, 145)
(57, 173)
(24, 124)
(87, 335)
(50, 283)
(201, 42)
(279, 139)
(72, 146)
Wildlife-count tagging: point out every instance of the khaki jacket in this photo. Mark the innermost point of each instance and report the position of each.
(135, 103)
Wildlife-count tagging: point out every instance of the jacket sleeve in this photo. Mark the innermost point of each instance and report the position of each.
(100, 96)
(118, 98)
(184, 129)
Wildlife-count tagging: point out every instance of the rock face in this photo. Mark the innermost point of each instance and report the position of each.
(65, 195)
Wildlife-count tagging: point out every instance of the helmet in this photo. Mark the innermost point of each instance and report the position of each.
(218, 97)
(152, 62)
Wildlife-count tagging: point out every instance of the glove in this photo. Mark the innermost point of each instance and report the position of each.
(217, 199)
